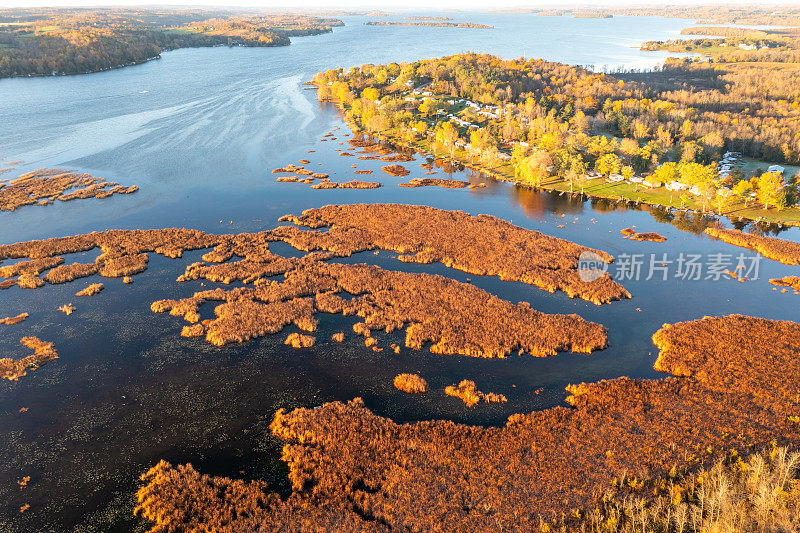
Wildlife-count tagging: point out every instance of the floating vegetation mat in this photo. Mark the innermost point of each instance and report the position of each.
(13, 369)
(410, 383)
(353, 470)
(11, 320)
(787, 252)
(44, 186)
(353, 184)
(630, 233)
(395, 170)
(468, 392)
(792, 282)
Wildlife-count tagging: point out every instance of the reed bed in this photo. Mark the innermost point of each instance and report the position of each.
(622, 438)
(410, 383)
(787, 252)
(43, 352)
(44, 186)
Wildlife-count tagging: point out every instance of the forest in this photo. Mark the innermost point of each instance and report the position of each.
(538, 119)
(77, 41)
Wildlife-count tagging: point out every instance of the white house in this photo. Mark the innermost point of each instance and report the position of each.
(776, 168)
(676, 186)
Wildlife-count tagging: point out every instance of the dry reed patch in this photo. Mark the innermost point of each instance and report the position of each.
(468, 392)
(91, 290)
(124, 253)
(34, 266)
(27, 280)
(337, 337)
(435, 182)
(753, 355)
(630, 233)
(362, 143)
(67, 309)
(410, 383)
(396, 170)
(397, 158)
(441, 475)
(480, 245)
(181, 499)
(354, 184)
(43, 352)
(296, 340)
(119, 266)
(43, 186)
(787, 252)
(363, 171)
(67, 273)
(11, 320)
(456, 318)
(787, 281)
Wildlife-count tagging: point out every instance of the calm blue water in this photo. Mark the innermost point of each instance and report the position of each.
(199, 131)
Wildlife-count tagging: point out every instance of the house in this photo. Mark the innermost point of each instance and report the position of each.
(745, 46)
(695, 190)
(776, 168)
(676, 186)
(637, 179)
(651, 184)
(616, 178)
(593, 175)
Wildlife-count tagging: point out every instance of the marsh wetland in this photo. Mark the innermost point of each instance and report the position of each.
(199, 335)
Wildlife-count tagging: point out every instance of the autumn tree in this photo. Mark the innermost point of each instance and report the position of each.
(608, 164)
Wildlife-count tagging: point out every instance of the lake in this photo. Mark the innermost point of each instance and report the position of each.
(199, 132)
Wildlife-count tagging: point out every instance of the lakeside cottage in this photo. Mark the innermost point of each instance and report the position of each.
(676, 186)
